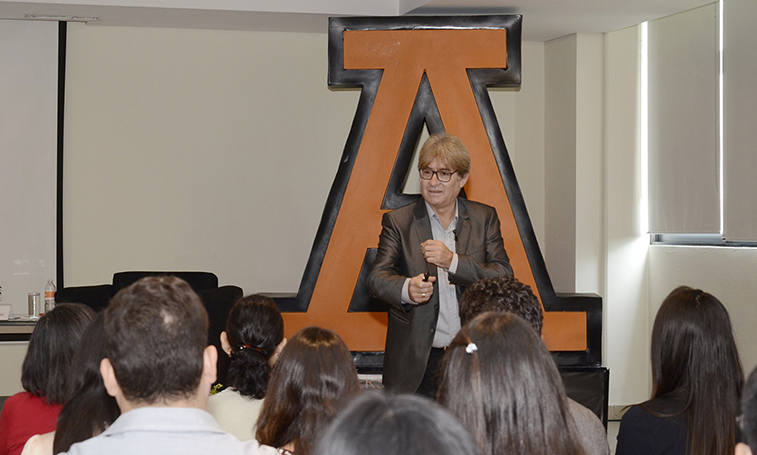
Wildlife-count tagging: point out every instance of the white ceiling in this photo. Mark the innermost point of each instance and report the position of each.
(543, 20)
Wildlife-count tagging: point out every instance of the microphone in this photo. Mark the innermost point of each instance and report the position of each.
(454, 231)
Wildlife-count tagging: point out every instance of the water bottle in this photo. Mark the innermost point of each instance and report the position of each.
(50, 295)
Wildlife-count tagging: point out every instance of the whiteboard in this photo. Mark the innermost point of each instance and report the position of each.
(28, 158)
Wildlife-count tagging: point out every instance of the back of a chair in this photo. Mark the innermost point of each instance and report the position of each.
(218, 303)
(96, 297)
(199, 281)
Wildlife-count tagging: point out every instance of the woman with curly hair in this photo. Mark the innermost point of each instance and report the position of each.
(253, 339)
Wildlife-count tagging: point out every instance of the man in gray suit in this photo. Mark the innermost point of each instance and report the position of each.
(428, 252)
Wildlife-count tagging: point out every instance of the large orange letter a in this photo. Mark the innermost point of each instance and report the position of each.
(416, 70)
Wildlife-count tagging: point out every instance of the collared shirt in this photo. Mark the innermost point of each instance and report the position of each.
(448, 323)
(167, 431)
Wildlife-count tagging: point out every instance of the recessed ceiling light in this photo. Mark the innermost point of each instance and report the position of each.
(46, 17)
(60, 18)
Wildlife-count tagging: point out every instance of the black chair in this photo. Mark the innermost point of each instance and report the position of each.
(217, 301)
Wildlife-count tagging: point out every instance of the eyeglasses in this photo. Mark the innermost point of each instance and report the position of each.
(442, 175)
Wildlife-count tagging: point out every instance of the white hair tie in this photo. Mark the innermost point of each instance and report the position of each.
(471, 347)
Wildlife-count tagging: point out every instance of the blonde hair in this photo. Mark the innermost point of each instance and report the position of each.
(447, 149)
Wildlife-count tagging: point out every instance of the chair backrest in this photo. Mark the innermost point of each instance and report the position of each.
(218, 303)
(199, 281)
(96, 297)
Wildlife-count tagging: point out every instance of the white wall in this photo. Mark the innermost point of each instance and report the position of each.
(198, 150)
(739, 135)
(639, 277)
(521, 118)
(560, 164)
(594, 237)
(626, 296)
(28, 149)
(590, 162)
(12, 356)
(726, 273)
(215, 150)
(574, 147)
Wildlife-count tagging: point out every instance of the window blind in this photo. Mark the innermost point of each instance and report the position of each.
(740, 121)
(683, 73)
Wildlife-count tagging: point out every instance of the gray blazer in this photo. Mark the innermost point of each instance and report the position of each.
(481, 254)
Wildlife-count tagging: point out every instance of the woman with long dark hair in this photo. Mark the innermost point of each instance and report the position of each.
(253, 339)
(45, 376)
(502, 384)
(89, 409)
(314, 373)
(697, 380)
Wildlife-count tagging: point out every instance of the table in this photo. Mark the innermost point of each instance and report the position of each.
(14, 341)
(17, 330)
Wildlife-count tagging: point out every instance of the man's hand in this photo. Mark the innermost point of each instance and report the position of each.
(420, 291)
(437, 253)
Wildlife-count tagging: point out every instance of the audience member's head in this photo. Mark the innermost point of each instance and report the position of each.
(502, 384)
(501, 294)
(156, 348)
(694, 357)
(89, 409)
(253, 339)
(749, 417)
(46, 367)
(312, 377)
(384, 424)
